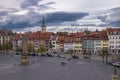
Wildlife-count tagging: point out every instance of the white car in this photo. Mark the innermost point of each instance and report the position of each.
(117, 64)
(61, 56)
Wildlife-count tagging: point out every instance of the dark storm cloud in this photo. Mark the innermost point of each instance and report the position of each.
(113, 19)
(43, 7)
(28, 3)
(3, 13)
(115, 23)
(34, 19)
(64, 16)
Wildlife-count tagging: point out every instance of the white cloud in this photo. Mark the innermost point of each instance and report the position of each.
(67, 5)
(83, 5)
(32, 13)
(60, 28)
(10, 4)
(90, 21)
(22, 12)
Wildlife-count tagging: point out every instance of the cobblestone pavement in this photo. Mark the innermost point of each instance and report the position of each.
(49, 68)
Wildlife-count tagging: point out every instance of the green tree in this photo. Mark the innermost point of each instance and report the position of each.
(30, 48)
(6, 46)
(100, 53)
(41, 49)
(104, 54)
(89, 53)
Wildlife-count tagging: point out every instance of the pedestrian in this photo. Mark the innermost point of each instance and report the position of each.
(69, 59)
(63, 63)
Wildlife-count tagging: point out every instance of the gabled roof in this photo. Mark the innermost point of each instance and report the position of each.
(6, 32)
(54, 37)
(35, 36)
(96, 36)
(69, 39)
(17, 37)
(78, 34)
(112, 31)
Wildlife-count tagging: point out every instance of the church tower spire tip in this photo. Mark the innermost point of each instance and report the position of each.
(43, 26)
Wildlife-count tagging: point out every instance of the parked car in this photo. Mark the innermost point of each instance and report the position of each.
(110, 63)
(117, 64)
(43, 55)
(75, 57)
(49, 55)
(61, 56)
(33, 54)
(85, 57)
(18, 53)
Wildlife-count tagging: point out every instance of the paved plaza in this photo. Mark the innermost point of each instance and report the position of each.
(49, 68)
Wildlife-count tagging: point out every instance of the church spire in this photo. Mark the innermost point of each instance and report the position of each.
(43, 22)
(43, 26)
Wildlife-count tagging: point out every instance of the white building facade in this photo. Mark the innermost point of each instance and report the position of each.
(114, 40)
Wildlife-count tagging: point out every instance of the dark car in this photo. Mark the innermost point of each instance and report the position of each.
(43, 55)
(18, 53)
(85, 57)
(75, 57)
(49, 55)
(110, 63)
(33, 54)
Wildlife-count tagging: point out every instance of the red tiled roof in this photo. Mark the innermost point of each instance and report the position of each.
(16, 37)
(111, 30)
(60, 39)
(97, 36)
(69, 39)
(40, 35)
(94, 33)
(78, 34)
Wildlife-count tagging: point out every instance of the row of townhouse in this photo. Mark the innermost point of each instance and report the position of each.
(68, 43)
(94, 41)
(78, 42)
(5, 37)
(36, 39)
(114, 39)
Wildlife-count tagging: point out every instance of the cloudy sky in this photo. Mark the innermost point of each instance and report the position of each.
(22, 14)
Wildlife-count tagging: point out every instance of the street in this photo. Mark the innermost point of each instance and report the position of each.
(49, 68)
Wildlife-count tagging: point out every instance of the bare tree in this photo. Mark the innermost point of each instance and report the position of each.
(104, 54)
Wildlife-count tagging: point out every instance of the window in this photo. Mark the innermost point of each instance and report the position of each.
(112, 46)
(53, 42)
(109, 37)
(53, 46)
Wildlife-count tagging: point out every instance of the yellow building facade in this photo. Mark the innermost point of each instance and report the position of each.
(104, 44)
(78, 47)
